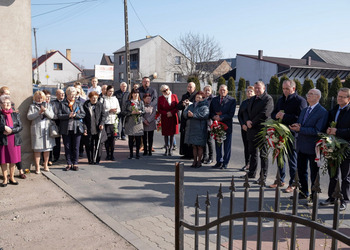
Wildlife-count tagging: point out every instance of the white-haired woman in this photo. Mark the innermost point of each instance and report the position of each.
(10, 140)
(41, 114)
(70, 114)
(167, 108)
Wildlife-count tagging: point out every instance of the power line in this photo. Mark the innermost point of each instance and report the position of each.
(75, 3)
(139, 18)
(54, 3)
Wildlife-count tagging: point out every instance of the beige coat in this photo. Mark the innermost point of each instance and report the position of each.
(40, 128)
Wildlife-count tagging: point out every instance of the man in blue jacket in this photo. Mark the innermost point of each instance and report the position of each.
(222, 109)
(341, 115)
(287, 110)
(312, 120)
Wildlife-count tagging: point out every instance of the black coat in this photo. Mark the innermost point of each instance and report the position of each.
(100, 116)
(343, 122)
(292, 106)
(122, 98)
(259, 110)
(150, 91)
(63, 115)
(191, 98)
(243, 112)
(17, 127)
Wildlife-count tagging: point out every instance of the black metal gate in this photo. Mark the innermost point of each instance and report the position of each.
(276, 215)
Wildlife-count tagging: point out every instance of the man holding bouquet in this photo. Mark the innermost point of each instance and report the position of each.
(222, 109)
(341, 115)
(287, 111)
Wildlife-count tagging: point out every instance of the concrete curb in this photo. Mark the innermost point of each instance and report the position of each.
(98, 213)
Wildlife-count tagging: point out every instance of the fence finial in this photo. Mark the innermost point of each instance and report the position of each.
(246, 182)
(207, 201)
(316, 187)
(296, 183)
(337, 192)
(232, 187)
(220, 196)
(197, 203)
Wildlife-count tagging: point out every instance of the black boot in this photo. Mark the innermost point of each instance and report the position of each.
(166, 151)
(145, 151)
(170, 151)
(131, 155)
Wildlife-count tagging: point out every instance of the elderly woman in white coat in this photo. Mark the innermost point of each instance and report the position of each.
(41, 114)
(112, 108)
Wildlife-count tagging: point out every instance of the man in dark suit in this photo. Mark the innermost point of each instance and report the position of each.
(222, 109)
(341, 115)
(186, 150)
(312, 120)
(122, 95)
(287, 110)
(55, 106)
(145, 88)
(259, 110)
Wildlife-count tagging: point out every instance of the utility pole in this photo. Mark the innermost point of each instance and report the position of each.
(127, 51)
(36, 55)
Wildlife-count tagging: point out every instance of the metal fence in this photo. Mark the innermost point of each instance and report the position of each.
(260, 214)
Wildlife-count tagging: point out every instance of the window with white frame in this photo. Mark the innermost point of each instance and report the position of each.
(177, 60)
(121, 76)
(121, 59)
(177, 77)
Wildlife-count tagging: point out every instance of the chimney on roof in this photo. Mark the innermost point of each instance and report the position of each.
(69, 54)
(308, 61)
(147, 37)
(260, 54)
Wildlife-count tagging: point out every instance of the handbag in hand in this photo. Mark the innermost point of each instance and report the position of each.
(54, 132)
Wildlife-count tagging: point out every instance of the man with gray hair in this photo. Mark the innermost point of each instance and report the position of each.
(187, 98)
(122, 95)
(312, 120)
(341, 115)
(55, 106)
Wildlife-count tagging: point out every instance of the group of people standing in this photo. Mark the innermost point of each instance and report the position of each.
(91, 121)
(305, 119)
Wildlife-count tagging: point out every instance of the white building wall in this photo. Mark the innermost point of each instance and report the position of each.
(68, 73)
(253, 70)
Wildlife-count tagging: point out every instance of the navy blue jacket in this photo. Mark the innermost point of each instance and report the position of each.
(292, 106)
(150, 91)
(308, 135)
(226, 110)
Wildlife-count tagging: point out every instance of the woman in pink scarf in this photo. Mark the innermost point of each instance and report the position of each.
(10, 140)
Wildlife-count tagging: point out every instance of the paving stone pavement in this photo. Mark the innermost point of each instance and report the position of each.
(136, 197)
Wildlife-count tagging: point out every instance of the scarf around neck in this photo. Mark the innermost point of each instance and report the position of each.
(8, 117)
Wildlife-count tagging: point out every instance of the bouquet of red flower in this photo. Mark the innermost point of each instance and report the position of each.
(217, 131)
(158, 121)
(136, 116)
(333, 150)
(278, 138)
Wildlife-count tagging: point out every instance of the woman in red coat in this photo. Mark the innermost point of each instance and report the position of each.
(169, 120)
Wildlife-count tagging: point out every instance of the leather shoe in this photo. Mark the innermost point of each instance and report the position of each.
(209, 161)
(342, 206)
(224, 166)
(217, 165)
(327, 202)
(275, 185)
(3, 185)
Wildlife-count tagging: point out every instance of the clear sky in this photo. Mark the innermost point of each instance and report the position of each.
(280, 28)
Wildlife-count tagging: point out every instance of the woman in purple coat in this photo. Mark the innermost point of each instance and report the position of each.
(10, 140)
